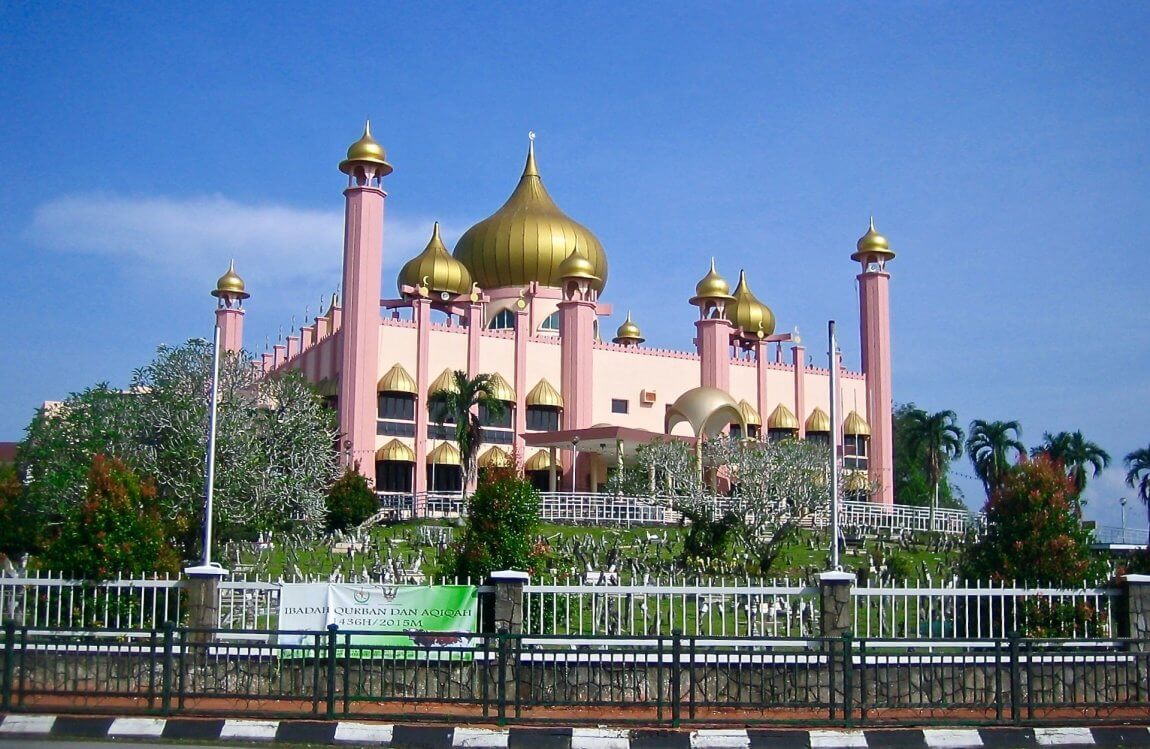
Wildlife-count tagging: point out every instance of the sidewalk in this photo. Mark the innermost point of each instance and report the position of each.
(444, 736)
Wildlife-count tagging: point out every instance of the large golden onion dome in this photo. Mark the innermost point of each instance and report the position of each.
(712, 287)
(872, 244)
(748, 314)
(527, 239)
(230, 284)
(628, 333)
(436, 268)
(366, 150)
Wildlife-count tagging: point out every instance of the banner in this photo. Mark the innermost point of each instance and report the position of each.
(420, 621)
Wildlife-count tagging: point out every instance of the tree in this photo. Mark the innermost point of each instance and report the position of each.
(461, 407)
(1138, 473)
(502, 522)
(990, 445)
(912, 485)
(937, 439)
(117, 530)
(1075, 453)
(274, 455)
(19, 533)
(1032, 530)
(350, 501)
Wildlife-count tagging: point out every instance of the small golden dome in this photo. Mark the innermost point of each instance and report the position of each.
(872, 244)
(856, 425)
(499, 389)
(748, 314)
(366, 150)
(527, 239)
(628, 333)
(540, 461)
(230, 284)
(750, 413)
(783, 418)
(819, 421)
(544, 394)
(712, 286)
(396, 380)
(576, 265)
(445, 382)
(435, 268)
(494, 457)
(446, 454)
(395, 451)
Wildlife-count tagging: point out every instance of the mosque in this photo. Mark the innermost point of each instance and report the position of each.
(521, 298)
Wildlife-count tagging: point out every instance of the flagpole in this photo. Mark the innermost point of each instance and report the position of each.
(834, 386)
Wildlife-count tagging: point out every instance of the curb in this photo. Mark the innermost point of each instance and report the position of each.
(445, 737)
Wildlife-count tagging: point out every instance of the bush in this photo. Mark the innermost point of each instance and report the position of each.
(350, 501)
(502, 521)
(118, 529)
(19, 529)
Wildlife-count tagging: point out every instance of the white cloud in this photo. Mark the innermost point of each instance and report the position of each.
(278, 249)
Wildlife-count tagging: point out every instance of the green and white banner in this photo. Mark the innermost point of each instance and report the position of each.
(420, 621)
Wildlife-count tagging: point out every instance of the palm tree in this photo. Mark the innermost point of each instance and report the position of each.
(936, 439)
(989, 446)
(1075, 453)
(1138, 473)
(460, 405)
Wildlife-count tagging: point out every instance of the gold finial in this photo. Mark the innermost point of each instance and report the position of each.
(576, 265)
(628, 333)
(435, 270)
(749, 315)
(711, 286)
(530, 170)
(230, 284)
(872, 245)
(366, 150)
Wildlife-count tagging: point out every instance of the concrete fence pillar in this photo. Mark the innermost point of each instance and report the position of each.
(1137, 619)
(836, 613)
(509, 600)
(203, 587)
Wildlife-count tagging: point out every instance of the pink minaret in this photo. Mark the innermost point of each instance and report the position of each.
(230, 309)
(872, 254)
(577, 337)
(365, 166)
(713, 338)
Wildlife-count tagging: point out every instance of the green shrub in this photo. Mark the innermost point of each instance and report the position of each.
(502, 522)
(350, 501)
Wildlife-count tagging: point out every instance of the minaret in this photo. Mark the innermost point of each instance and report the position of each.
(577, 337)
(230, 309)
(713, 338)
(365, 166)
(872, 253)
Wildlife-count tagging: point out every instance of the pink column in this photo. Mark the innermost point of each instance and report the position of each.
(576, 343)
(474, 334)
(798, 358)
(293, 348)
(421, 311)
(279, 354)
(231, 322)
(522, 333)
(359, 364)
(714, 344)
(761, 351)
(874, 319)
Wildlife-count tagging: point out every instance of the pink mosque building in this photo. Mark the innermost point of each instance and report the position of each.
(520, 298)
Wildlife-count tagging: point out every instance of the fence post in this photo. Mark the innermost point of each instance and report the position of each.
(332, 640)
(9, 665)
(166, 678)
(848, 678)
(1136, 622)
(1015, 680)
(502, 647)
(203, 586)
(509, 600)
(836, 613)
(676, 676)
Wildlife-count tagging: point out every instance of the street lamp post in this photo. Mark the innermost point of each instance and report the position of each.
(1122, 502)
(207, 566)
(574, 460)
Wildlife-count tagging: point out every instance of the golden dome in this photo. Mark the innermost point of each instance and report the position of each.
(628, 333)
(366, 150)
(445, 382)
(712, 286)
(494, 457)
(708, 410)
(782, 418)
(540, 461)
(230, 284)
(544, 394)
(396, 380)
(446, 454)
(498, 388)
(819, 421)
(436, 268)
(576, 265)
(856, 425)
(872, 243)
(750, 413)
(748, 314)
(527, 239)
(396, 451)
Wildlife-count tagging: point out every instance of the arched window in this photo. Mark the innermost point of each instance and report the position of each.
(503, 320)
(551, 324)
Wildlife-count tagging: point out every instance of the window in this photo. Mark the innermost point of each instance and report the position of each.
(399, 406)
(487, 419)
(435, 416)
(504, 320)
(392, 476)
(855, 451)
(551, 324)
(444, 478)
(619, 406)
(543, 418)
(819, 438)
(389, 428)
(774, 435)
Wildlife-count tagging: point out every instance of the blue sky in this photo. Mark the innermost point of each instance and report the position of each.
(1004, 148)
